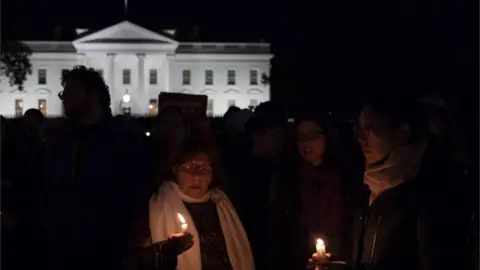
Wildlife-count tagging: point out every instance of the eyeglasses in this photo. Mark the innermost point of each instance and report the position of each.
(313, 135)
(202, 170)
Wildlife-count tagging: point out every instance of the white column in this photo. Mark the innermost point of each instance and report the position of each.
(111, 80)
(86, 61)
(81, 59)
(141, 73)
(169, 60)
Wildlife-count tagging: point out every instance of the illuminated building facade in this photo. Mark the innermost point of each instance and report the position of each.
(142, 63)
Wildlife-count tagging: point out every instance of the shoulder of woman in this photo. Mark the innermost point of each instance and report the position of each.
(161, 193)
(218, 194)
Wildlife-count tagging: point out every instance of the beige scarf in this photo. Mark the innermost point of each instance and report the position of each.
(402, 165)
(164, 222)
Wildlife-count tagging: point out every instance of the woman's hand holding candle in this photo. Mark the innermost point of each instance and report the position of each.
(181, 242)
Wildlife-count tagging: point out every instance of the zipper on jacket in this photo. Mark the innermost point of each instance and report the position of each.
(374, 241)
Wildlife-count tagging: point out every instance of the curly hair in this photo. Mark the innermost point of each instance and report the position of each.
(92, 81)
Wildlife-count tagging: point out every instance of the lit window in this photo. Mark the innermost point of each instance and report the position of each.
(208, 77)
(153, 76)
(18, 107)
(186, 77)
(253, 77)
(42, 76)
(126, 76)
(42, 106)
(210, 107)
(231, 103)
(231, 77)
(153, 107)
(253, 103)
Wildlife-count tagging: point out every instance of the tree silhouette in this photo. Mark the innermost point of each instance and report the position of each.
(265, 79)
(15, 62)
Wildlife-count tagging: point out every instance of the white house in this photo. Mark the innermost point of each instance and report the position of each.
(143, 63)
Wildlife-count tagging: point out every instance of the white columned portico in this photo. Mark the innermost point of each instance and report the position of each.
(111, 80)
(141, 72)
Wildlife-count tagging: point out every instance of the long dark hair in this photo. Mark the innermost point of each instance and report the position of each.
(334, 153)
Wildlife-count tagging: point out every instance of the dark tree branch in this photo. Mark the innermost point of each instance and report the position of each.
(15, 62)
(265, 79)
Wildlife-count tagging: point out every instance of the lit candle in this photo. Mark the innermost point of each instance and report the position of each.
(320, 246)
(183, 222)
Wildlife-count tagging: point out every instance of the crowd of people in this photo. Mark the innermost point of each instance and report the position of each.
(91, 191)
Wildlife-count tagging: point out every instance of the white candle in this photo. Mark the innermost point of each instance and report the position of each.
(183, 222)
(320, 246)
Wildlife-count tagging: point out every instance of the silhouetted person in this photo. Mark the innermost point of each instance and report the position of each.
(28, 146)
(93, 176)
(254, 170)
(32, 121)
(171, 128)
(227, 134)
(9, 239)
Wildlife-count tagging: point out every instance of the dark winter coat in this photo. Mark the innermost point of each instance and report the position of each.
(415, 225)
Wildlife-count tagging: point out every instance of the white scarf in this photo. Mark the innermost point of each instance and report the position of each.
(164, 222)
(402, 165)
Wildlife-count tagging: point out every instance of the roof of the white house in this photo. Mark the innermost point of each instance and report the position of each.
(126, 32)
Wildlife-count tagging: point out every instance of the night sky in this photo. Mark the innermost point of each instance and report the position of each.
(328, 52)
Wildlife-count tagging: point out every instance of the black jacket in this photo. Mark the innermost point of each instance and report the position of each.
(412, 226)
(94, 182)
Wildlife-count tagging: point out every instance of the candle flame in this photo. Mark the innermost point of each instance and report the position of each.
(183, 222)
(181, 218)
(320, 242)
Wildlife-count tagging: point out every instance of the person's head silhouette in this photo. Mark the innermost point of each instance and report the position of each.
(85, 95)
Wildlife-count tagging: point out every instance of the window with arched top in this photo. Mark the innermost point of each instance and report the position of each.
(232, 91)
(254, 91)
(153, 107)
(42, 106)
(186, 91)
(43, 91)
(210, 107)
(209, 91)
(18, 107)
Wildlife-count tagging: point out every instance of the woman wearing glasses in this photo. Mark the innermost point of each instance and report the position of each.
(219, 239)
(317, 208)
